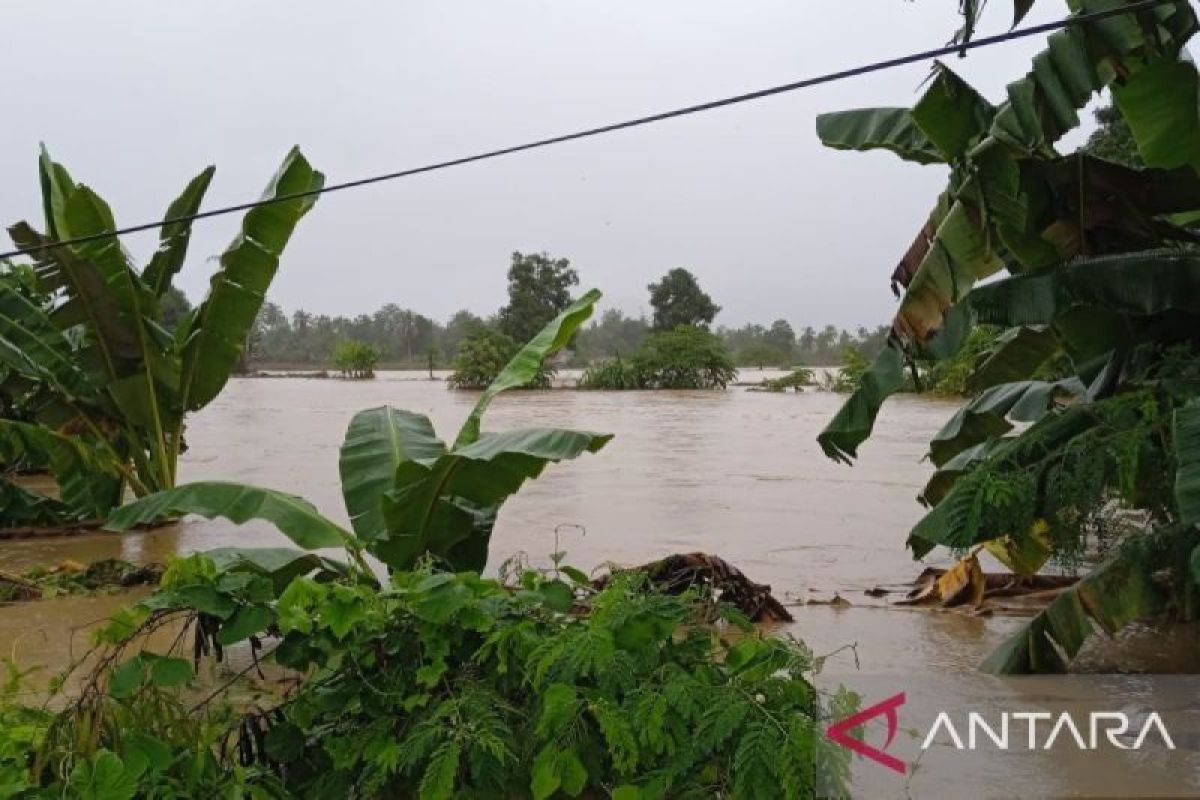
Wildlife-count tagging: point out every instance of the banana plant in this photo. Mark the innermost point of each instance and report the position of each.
(407, 493)
(94, 366)
(1012, 202)
(1102, 272)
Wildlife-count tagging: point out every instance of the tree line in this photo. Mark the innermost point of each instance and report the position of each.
(539, 287)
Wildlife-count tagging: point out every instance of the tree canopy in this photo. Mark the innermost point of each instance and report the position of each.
(539, 288)
(677, 300)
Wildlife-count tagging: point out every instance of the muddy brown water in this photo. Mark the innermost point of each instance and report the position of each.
(734, 473)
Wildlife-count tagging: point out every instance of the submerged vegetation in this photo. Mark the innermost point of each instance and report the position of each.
(1099, 327)
(687, 357)
(409, 495)
(355, 359)
(796, 380)
(436, 683)
(376, 660)
(103, 388)
(481, 357)
(407, 339)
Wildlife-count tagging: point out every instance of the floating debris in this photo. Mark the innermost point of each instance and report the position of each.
(678, 573)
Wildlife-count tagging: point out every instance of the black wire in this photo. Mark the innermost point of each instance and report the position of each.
(877, 66)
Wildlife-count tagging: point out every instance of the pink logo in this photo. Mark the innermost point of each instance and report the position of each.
(839, 732)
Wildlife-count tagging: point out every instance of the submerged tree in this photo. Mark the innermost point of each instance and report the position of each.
(480, 358)
(355, 359)
(685, 358)
(677, 299)
(1091, 284)
(539, 288)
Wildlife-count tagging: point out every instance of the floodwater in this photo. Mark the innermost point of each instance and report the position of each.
(734, 473)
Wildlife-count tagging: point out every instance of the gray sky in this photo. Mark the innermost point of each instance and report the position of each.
(136, 96)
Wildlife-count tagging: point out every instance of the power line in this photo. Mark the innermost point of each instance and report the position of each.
(830, 77)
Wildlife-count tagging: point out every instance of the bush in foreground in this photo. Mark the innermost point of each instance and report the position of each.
(440, 685)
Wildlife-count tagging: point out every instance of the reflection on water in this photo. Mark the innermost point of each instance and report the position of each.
(733, 473)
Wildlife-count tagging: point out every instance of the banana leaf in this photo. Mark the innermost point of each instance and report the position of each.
(280, 564)
(1186, 433)
(1138, 284)
(1018, 354)
(448, 507)
(1159, 103)
(878, 129)
(217, 331)
(1116, 593)
(961, 255)
(856, 418)
(1000, 210)
(294, 516)
(89, 299)
(987, 416)
(23, 508)
(524, 366)
(31, 345)
(940, 483)
(377, 442)
(88, 477)
(173, 237)
(955, 521)
(952, 114)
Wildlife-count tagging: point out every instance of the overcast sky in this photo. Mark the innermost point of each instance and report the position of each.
(137, 96)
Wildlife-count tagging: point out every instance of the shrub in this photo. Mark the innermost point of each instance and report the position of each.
(684, 358)
(798, 379)
(441, 685)
(481, 356)
(849, 376)
(613, 373)
(355, 359)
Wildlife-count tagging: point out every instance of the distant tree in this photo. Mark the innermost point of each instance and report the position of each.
(459, 327)
(782, 338)
(539, 287)
(1113, 141)
(761, 354)
(355, 359)
(173, 305)
(807, 342)
(271, 338)
(614, 334)
(678, 300)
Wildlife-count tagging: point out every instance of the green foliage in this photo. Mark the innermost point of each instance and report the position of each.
(440, 685)
(796, 380)
(683, 358)
(355, 359)
(1112, 140)
(92, 356)
(174, 307)
(850, 374)
(481, 356)
(539, 289)
(612, 373)
(409, 496)
(1091, 340)
(678, 300)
